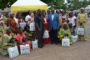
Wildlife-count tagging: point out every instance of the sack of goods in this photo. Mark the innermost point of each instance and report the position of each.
(13, 52)
(74, 38)
(46, 34)
(35, 44)
(32, 26)
(80, 31)
(65, 42)
(25, 49)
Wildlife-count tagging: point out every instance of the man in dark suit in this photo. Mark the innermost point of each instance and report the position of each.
(39, 25)
(54, 26)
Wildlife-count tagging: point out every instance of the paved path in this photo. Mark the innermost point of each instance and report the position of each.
(78, 51)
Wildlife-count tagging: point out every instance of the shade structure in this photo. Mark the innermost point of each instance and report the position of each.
(88, 7)
(25, 5)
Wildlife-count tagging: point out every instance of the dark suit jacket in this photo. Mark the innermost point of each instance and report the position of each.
(54, 24)
(39, 22)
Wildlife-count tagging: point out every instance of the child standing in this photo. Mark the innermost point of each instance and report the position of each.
(72, 22)
(81, 32)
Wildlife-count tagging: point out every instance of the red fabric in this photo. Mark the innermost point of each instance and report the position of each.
(19, 37)
(47, 41)
(46, 25)
(12, 24)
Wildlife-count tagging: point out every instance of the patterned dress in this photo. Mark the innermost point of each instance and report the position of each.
(12, 24)
(5, 44)
(83, 19)
(63, 32)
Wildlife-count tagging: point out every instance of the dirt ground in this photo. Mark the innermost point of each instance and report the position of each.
(77, 51)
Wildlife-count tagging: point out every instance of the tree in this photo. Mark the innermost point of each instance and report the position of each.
(47, 1)
(6, 3)
(76, 4)
(57, 3)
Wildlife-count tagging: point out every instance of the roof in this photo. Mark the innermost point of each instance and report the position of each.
(23, 5)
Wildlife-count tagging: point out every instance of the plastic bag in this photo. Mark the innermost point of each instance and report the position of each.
(46, 34)
(13, 52)
(25, 49)
(65, 42)
(35, 44)
(32, 26)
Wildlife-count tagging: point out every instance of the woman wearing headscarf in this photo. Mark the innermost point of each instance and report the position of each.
(46, 27)
(82, 19)
(63, 17)
(11, 23)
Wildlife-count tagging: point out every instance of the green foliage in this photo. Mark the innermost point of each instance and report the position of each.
(6, 3)
(73, 4)
(57, 4)
(77, 4)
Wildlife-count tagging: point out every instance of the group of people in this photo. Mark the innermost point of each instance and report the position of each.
(58, 23)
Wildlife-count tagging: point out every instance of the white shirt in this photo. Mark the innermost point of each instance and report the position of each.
(72, 20)
(52, 17)
(28, 17)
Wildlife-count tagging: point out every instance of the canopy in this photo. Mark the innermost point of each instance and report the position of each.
(88, 7)
(25, 5)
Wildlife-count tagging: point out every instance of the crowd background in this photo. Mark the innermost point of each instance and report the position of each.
(15, 29)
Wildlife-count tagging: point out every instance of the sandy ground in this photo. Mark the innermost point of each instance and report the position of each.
(78, 51)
